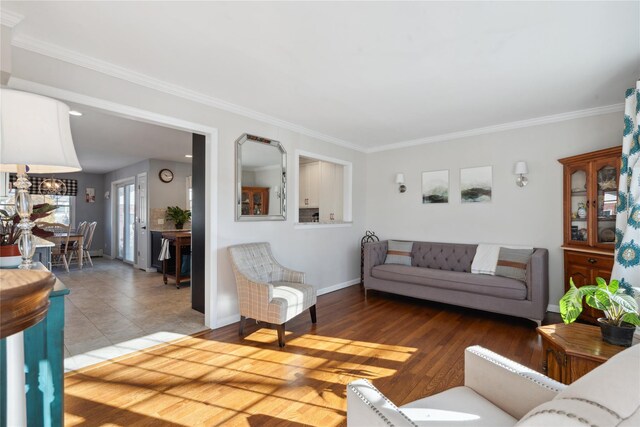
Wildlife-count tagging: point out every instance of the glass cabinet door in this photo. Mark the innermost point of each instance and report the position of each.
(246, 203)
(579, 206)
(257, 203)
(606, 199)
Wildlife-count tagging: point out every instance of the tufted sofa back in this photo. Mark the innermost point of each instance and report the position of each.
(443, 256)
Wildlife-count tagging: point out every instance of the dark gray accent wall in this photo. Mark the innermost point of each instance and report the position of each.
(198, 219)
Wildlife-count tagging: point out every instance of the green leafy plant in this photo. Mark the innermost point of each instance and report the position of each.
(178, 215)
(617, 302)
(9, 231)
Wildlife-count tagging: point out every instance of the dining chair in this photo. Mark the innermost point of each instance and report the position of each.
(75, 249)
(60, 251)
(88, 239)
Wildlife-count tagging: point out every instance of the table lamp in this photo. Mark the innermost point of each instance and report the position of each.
(35, 137)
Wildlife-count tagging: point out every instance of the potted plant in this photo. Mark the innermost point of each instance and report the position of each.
(178, 215)
(10, 233)
(615, 300)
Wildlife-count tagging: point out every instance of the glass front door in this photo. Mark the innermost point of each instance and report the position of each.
(125, 221)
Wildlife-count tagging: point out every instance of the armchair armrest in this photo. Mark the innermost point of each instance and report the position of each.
(374, 254)
(366, 406)
(538, 281)
(510, 386)
(284, 274)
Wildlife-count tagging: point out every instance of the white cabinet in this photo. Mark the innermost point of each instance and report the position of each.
(309, 185)
(331, 192)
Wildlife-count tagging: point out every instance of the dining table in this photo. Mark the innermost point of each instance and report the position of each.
(58, 239)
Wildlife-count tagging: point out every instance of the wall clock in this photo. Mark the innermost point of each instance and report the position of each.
(166, 175)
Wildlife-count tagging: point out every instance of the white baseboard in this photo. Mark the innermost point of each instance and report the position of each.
(553, 308)
(227, 320)
(106, 256)
(96, 252)
(339, 286)
(151, 270)
(236, 317)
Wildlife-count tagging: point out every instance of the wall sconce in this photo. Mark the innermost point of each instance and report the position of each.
(400, 182)
(521, 170)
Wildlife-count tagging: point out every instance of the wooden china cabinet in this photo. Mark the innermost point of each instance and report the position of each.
(255, 200)
(589, 216)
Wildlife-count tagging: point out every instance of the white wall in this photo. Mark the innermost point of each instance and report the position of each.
(330, 256)
(530, 216)
(174, 193)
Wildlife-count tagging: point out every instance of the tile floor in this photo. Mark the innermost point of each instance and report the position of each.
(112, 302)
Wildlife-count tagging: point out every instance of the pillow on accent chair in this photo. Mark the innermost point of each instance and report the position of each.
(399, 252)
(513, 263)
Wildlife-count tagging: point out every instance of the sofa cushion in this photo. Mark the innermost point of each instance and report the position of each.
(398, 252)
(444, 256)
(458, 406)
(513, 263)
(502, 287)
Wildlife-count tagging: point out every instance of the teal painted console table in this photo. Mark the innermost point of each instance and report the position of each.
(44, 364)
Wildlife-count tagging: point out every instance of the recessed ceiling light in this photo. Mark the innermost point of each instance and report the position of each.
(188, 155)
(75, 113)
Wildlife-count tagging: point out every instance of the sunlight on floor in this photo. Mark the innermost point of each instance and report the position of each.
(198, 381)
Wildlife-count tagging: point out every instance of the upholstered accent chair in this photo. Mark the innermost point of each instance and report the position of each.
(267, 291)
(499, 392)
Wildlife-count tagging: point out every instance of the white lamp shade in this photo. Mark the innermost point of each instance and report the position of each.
(400, 178)
(521, 168)
(35, 132)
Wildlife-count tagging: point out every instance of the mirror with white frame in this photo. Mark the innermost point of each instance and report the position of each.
(261, 179)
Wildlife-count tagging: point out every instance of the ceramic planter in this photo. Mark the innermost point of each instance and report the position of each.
(10, 256)
(617, 335)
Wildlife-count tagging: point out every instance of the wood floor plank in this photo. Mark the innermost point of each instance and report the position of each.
(408, 348)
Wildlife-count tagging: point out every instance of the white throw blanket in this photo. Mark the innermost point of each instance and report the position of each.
(486, 259)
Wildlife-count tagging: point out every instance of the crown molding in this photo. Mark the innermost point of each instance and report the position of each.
(10, 19)
(73, 57)
(70, 56)
(537, 121)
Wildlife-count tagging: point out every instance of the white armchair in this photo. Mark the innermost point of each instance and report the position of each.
(499, 392)
(267, 291)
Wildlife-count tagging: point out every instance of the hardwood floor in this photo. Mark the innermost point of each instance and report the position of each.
(408, 348)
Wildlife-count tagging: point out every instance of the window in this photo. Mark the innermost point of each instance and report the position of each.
(189, 193)
(64, 214)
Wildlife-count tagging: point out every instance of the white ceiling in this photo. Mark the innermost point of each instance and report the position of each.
(367, 73)
(105, 143)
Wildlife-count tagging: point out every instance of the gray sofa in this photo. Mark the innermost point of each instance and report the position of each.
(442, 272)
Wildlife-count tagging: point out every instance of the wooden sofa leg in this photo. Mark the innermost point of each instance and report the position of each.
(243, 320)
(280, 329)
(312, 311)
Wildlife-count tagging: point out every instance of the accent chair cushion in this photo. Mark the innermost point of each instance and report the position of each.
(289, 299)
(459, 406)
(399, 252)
(513, 263)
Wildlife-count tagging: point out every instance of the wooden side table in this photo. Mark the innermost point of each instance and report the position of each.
(179, 239)
(571, 351)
